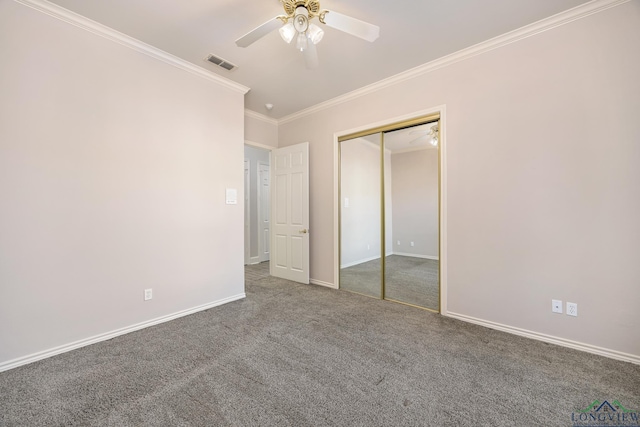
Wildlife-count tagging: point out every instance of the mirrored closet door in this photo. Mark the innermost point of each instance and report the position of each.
(361, 199)
(389, 204)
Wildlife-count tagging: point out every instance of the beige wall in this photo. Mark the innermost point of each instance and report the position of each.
(113, 169)
(415, 203)
(543, 166)
(261, 131)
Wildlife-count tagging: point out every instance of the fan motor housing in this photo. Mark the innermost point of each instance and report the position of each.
(290, 6)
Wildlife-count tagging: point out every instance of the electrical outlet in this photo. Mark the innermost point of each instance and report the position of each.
(412, 244)
(556, 306)
(572, 309)
(148, 294)
(368, 247)
(398, 243)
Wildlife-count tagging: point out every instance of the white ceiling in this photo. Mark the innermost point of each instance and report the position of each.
(412, 32)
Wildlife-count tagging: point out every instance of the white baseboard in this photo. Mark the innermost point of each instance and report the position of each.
(321, 283)
(417, 256)
(254, 260)
(360, 261)
(613, 354)
(5, 366)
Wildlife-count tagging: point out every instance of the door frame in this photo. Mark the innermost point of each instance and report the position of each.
(441, 110)
(247, 211)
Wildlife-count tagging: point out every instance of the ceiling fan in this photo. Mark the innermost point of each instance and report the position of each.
(306, 33)
(431, 134)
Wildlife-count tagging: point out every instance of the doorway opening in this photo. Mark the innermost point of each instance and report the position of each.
(257, 208)
(389, 212)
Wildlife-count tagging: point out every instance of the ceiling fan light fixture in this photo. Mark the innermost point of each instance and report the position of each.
(301, 42)
(315, 33)
(301, 20)
(287, 32)
(296, 23)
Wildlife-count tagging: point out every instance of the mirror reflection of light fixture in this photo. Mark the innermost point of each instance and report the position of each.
(434, 136)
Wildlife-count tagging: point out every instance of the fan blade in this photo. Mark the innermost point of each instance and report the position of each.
(311, 56)
(413, 141)
(353, 26)
(256, 34)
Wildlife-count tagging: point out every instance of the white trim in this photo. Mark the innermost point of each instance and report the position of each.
(360, 261)
(261, 117)
(254, 260)
(128, 41)
(618, 355)
(533, 29)
(5, 366)
(435, 258)
(321, 283)
(258, 145)
(247, 211)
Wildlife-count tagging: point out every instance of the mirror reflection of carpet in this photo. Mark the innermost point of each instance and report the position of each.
(408, 279)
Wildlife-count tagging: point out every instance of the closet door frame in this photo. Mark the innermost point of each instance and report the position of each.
(436, 114)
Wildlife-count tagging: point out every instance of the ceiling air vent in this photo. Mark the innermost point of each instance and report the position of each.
(221, 62)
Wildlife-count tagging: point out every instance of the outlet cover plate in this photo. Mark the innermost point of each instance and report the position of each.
(148, 294)
(556, 306)
(572, 309)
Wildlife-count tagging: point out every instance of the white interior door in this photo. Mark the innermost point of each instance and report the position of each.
(264, 210)
(290, 213)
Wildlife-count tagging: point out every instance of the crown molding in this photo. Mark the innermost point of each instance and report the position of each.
(261, 117)
(562, 18)
(127, 41)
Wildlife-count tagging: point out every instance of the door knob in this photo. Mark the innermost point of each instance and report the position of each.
(304, 231)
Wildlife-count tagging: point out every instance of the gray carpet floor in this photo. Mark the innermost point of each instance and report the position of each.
(408, 279)
(303, 355)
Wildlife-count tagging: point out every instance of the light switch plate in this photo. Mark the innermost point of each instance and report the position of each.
(232, 196)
